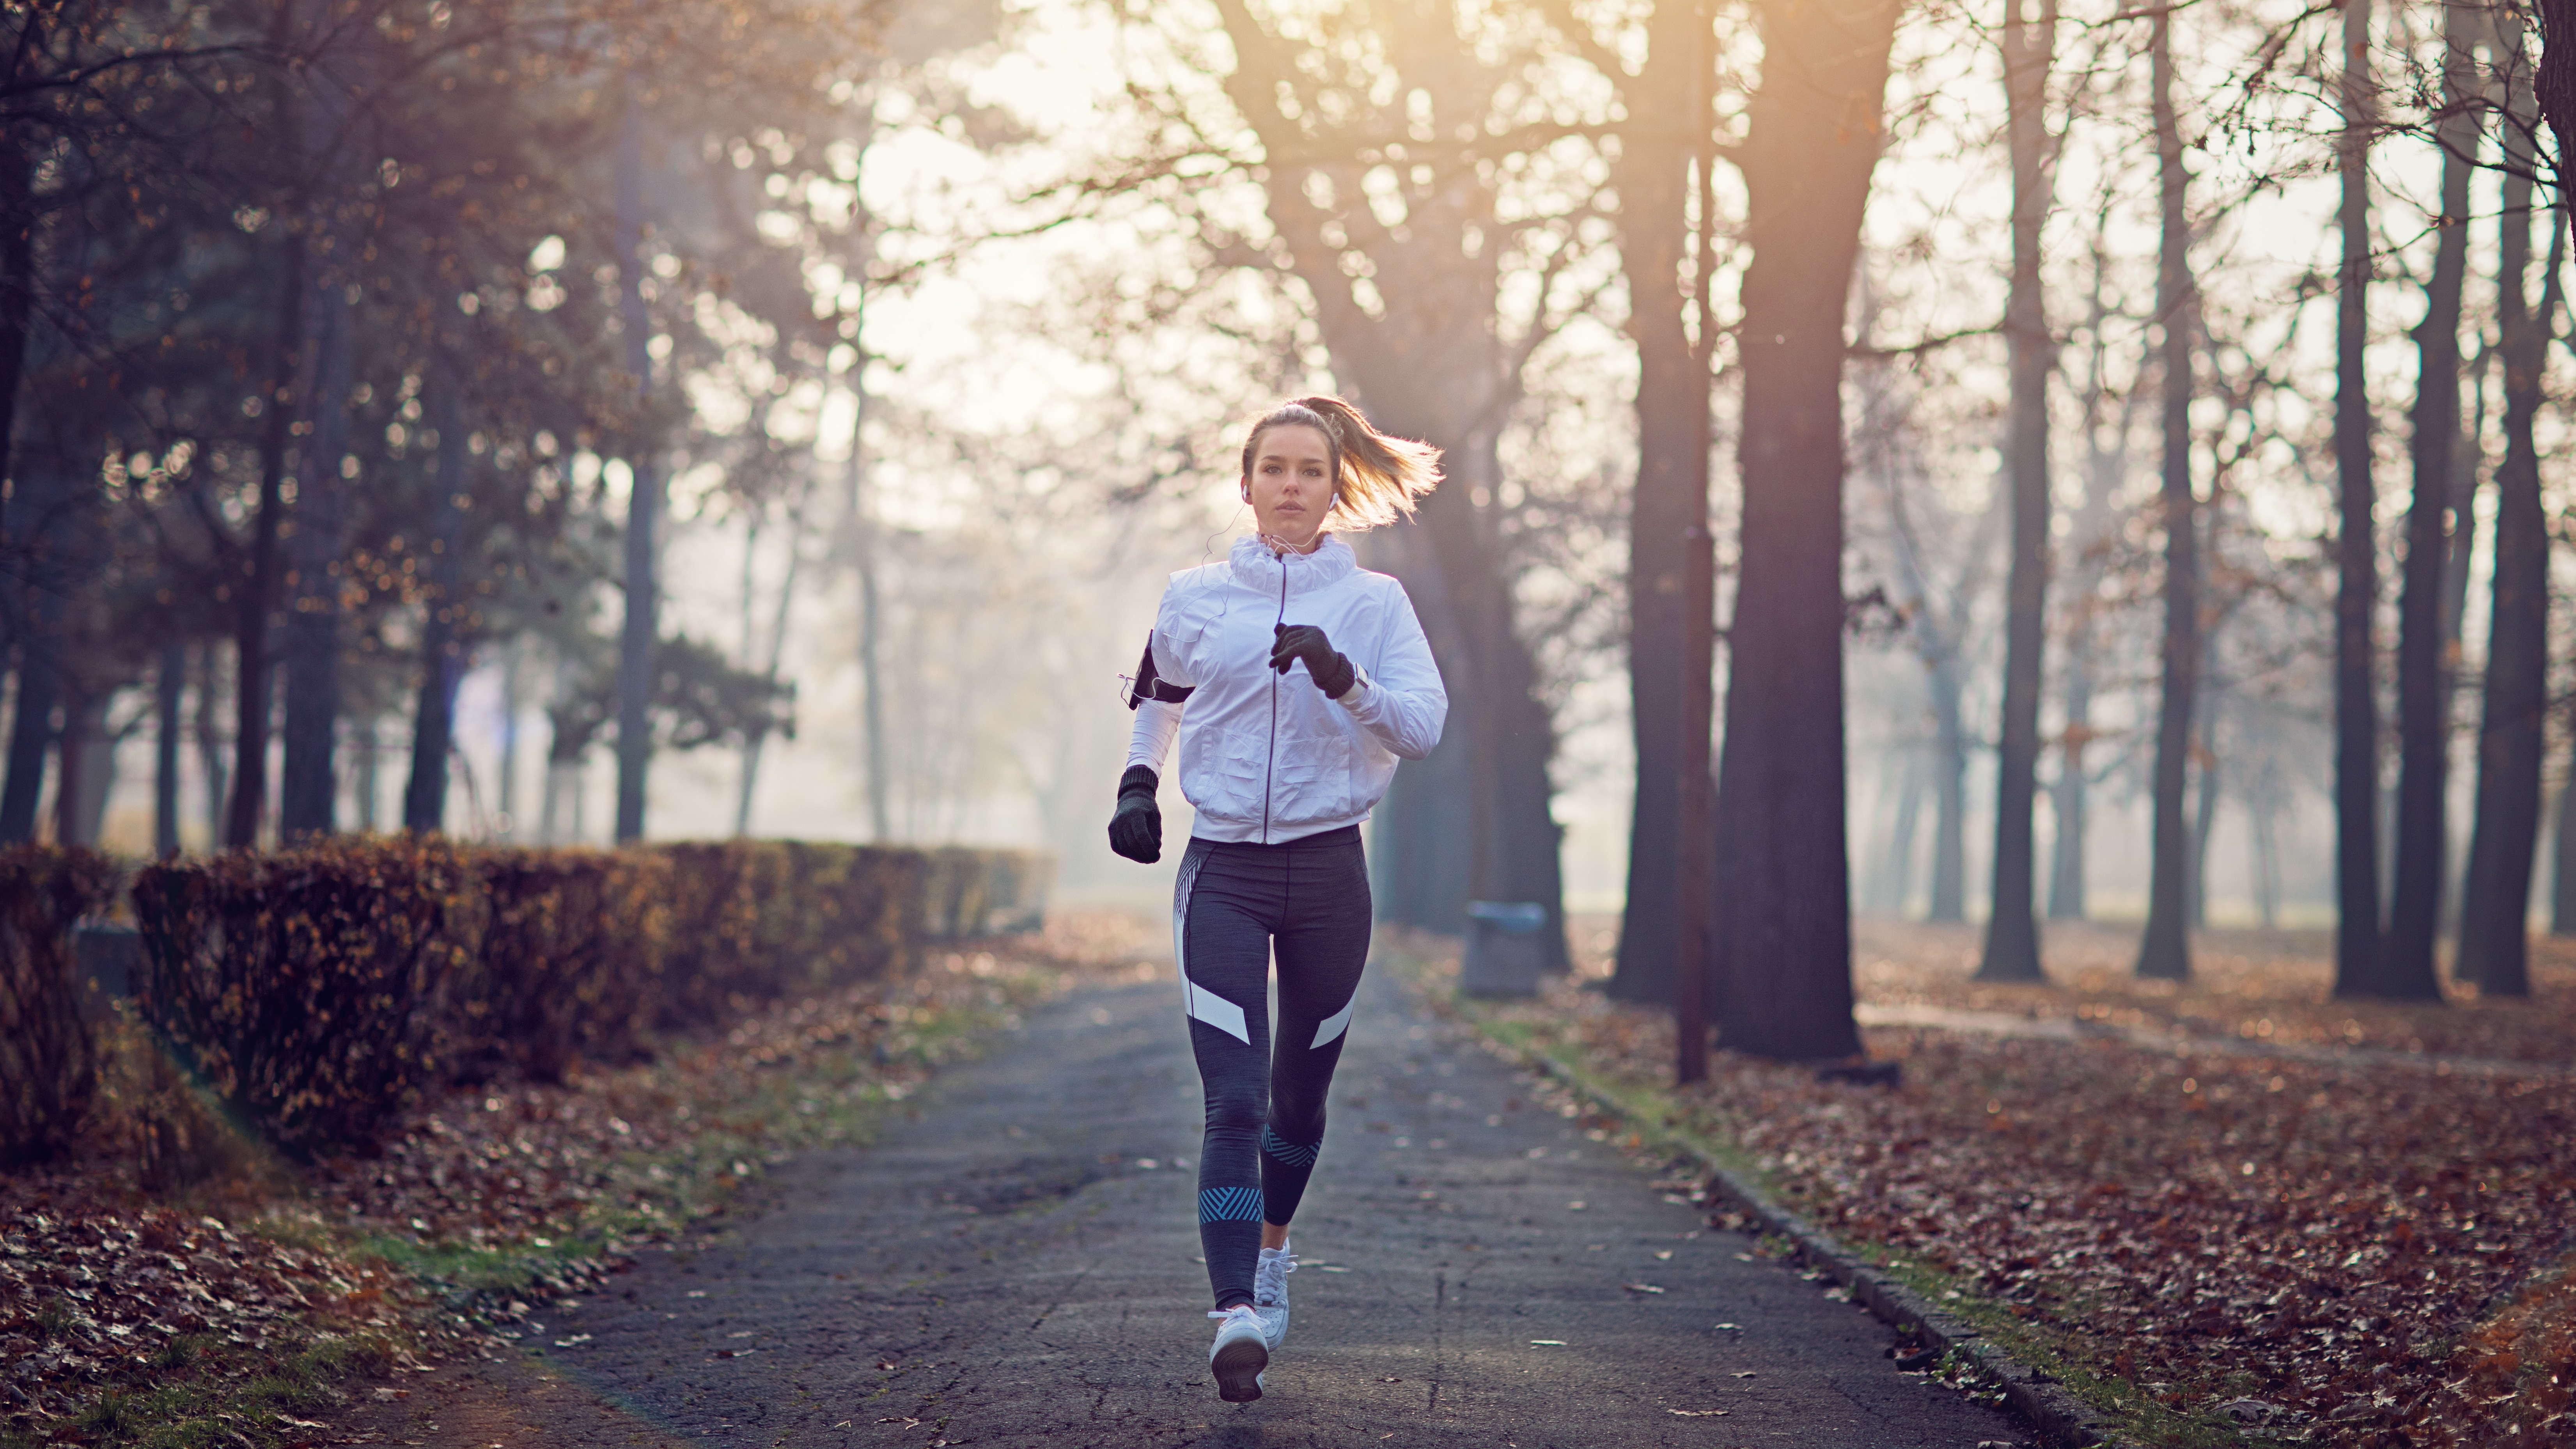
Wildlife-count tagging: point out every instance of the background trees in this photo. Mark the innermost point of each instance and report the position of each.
(348, 352)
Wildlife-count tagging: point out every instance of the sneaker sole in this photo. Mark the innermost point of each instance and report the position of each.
(1238, 1368)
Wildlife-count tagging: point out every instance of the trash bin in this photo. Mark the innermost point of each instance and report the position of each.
(1506, 955)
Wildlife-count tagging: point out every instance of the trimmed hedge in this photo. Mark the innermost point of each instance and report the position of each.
(306, 983)
(322, 991)
(571, 961)
(48, 1056)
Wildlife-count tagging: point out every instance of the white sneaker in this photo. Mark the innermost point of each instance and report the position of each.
(1270, 1293)
(1241, 1352)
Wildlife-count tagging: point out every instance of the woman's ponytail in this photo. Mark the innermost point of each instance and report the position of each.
(1376, 478)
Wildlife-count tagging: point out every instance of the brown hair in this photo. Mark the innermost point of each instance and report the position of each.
(1375, 477)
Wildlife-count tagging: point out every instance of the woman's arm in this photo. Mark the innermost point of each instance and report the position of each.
(1403, 705)
(1157, 724)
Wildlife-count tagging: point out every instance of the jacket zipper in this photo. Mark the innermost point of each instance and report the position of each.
(1269, 768)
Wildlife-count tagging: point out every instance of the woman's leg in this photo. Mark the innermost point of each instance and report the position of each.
(1323, 943)
(1222, 915)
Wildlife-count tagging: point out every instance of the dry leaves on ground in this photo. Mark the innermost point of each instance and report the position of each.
(506, 1189)
(2365, 1251)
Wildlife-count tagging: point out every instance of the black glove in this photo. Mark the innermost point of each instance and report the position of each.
(1136, 831)
(1292, 642)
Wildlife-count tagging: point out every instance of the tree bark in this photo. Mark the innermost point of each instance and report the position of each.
(171, 684)
(2165, 950)
(17, 273)
(308, 783)
(1667, 104)
(1949, 901)
(2356, 766)
(2204, 816)
(2496, 903)
(2554, 82)
(442, 643)
(2562, 846)
(636, 641)
(2012, 926)
(36, 535)
(2407, 968)
(1783, 933)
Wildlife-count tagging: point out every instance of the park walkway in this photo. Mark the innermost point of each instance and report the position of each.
(1015, 1265)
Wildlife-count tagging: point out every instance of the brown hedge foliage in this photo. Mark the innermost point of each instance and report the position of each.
(571, 961)
(48, 1054)
(322, 990)
(305, 984)
(753, 921)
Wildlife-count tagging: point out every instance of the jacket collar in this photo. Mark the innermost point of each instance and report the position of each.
(1330, 563)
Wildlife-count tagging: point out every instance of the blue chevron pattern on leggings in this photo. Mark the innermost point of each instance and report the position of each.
(1230, 1205)
(1287, 1151)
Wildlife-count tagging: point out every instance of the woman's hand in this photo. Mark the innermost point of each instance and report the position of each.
(1136, 830)
(1332, 673)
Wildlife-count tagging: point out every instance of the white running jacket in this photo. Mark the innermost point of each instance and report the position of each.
(1267, 757)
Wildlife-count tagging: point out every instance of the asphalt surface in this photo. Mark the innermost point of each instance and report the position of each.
(1016, 1264)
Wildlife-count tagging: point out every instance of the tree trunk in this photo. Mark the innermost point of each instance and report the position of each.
(1949, 793)
(777, 657)
(2554, 82)
(2012, 927)
(2165, 950)
(1668, 98)
(171, 684)
(210, 742)
(860, 521)
(308, 785)
(1783, 932)
(2204, 822)
(635, 655)
(511, 704)
(1895, 876)
(2562, 846)
(1510, 739)
(2069, 797)
(2356, 767)
(2407, 968)
(39, 519)
(17, 271)
(1431, 363)
(2496, 906)
(442, 645)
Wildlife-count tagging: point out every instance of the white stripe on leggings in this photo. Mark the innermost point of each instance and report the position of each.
(1205, 1006)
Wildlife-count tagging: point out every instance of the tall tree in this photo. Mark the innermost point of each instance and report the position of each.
(1412, 313)
(1783, 933)
(442, 625)
(2407, 969)
(2165, 949)
(636, 668)
(1667, 108)
(2012, 926)
(335, 225)
(2356, 702)
(2496, 905)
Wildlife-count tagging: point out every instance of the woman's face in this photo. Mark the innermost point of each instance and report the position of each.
(1291, 485)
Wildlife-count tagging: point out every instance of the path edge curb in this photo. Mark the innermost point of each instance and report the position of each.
(2059, 1417)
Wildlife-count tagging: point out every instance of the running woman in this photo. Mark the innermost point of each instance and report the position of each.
(1294, 679)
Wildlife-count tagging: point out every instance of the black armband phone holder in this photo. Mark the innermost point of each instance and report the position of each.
(1147, 685)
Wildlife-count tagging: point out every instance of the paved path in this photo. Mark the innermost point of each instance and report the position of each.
(1016, 1266)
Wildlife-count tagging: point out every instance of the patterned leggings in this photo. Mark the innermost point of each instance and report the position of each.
(1235, 904)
